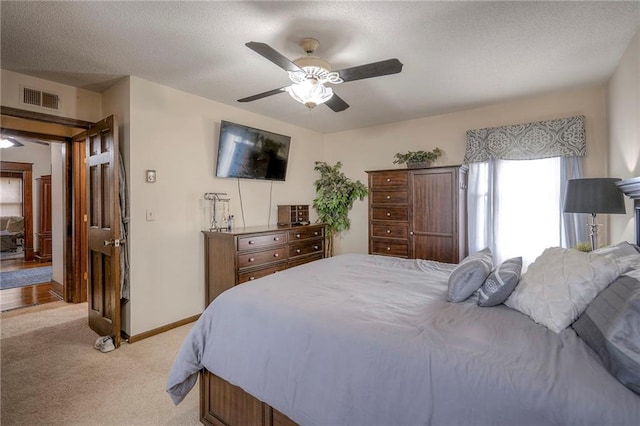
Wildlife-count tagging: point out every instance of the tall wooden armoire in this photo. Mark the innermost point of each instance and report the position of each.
(419, 213)
(44, 234)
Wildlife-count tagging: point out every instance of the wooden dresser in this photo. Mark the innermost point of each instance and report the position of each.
(245, 254)
(419, 213)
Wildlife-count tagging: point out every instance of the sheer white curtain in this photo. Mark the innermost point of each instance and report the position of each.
(515, 207)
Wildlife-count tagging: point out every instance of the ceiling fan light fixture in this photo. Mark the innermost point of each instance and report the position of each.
(314, 68)
(310, 93)
(9, 143)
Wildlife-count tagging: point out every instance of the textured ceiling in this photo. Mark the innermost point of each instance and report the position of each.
(456, 55)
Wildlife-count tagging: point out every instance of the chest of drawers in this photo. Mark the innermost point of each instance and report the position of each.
(246, 254)
(419, 213)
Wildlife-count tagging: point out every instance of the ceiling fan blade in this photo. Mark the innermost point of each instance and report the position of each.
(263, 94)
(375, 69)
(273, 55)
(336, 103)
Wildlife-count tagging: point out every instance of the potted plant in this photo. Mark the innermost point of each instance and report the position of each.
(335, 194)
(417, 159)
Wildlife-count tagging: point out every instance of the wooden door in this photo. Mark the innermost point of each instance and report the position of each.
(434, 215)
(103, 234)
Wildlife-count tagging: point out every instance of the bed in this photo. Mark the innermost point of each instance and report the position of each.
(372, 340)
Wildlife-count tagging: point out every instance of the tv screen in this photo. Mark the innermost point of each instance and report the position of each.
(245, 152)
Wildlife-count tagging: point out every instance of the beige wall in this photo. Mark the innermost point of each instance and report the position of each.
(176, 133)
(624, 131)
(374, 147)
(74, 103)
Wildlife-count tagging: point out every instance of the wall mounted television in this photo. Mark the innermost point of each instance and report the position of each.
(250, 153)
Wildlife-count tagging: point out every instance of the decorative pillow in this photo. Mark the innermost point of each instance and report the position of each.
(611, 327)
(560, 284)
(617, 250)
(469, 275)
(500, 283)
(624, 253)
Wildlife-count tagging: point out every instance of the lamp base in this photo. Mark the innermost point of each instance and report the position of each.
(593, 231)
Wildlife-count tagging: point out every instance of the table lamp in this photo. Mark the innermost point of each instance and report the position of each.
(593, 196)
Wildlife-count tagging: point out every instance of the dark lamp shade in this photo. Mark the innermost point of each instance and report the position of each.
(597, 195)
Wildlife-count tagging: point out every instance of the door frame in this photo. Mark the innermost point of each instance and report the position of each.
(74, 193)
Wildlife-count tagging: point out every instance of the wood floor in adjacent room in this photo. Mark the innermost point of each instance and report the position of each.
(31, 295)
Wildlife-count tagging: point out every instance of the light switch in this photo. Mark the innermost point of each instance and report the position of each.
(151, 215)
(151, 177)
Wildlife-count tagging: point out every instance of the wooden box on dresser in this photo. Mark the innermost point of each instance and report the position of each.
(244, 254)
(419, 213)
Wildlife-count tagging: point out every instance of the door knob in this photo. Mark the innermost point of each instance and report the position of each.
(114, 243)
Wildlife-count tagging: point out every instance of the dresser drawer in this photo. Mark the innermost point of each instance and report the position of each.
(306, 247)
(248, 260)
(389, 248)
(304, 233)
(254, 275)
(301, 260)
(388, 197)
(387, 179)
(256, 241)
(390, 231)
(389, 213)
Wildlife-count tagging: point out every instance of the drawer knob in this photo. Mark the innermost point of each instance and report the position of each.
(252, 278)
(275, 255)
(388, 197)
(316, 247)
(251, 259)
(388, 179)
(297, 250)
(411, 233)
(315, 233)
(388, 214)
(276, 238)
(251, 242)
(297, 235)
(388, 231)
(388, 248)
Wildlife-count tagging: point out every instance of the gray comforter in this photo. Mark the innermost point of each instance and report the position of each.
(370, 340)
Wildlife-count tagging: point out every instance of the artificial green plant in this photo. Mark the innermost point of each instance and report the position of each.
(335, 194)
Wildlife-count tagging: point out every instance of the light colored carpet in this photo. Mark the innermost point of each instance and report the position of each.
(51, 374)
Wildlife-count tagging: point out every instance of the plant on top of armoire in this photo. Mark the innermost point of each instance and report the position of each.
(416, 159)
(335, 194)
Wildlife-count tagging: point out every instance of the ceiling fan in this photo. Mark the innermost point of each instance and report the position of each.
(309, 74)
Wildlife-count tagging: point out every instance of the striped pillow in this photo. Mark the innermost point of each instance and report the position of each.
(469, 275)
(611, 327)
(500, 283)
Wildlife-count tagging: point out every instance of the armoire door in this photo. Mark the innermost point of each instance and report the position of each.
(435, 214)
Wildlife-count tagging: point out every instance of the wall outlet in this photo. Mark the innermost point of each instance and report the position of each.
(151, 215)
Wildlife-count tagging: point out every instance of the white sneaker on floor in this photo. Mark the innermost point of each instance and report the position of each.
(104, 344)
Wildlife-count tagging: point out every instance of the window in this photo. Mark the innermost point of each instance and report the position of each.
(10, 196)
(515, 207)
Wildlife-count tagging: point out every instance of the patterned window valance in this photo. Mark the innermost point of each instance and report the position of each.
(563, 137)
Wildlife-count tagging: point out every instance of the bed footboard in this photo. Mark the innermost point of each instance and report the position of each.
(223, 404)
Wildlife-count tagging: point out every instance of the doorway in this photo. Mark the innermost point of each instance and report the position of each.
(71, 241)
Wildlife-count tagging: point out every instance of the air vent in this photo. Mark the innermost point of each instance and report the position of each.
(39, 98)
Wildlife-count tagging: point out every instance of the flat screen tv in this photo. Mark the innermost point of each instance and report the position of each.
(246, 152)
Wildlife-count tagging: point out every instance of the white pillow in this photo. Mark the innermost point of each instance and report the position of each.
(624, 253)
(560, 284)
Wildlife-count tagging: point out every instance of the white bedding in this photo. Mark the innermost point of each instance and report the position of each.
(371, 340)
